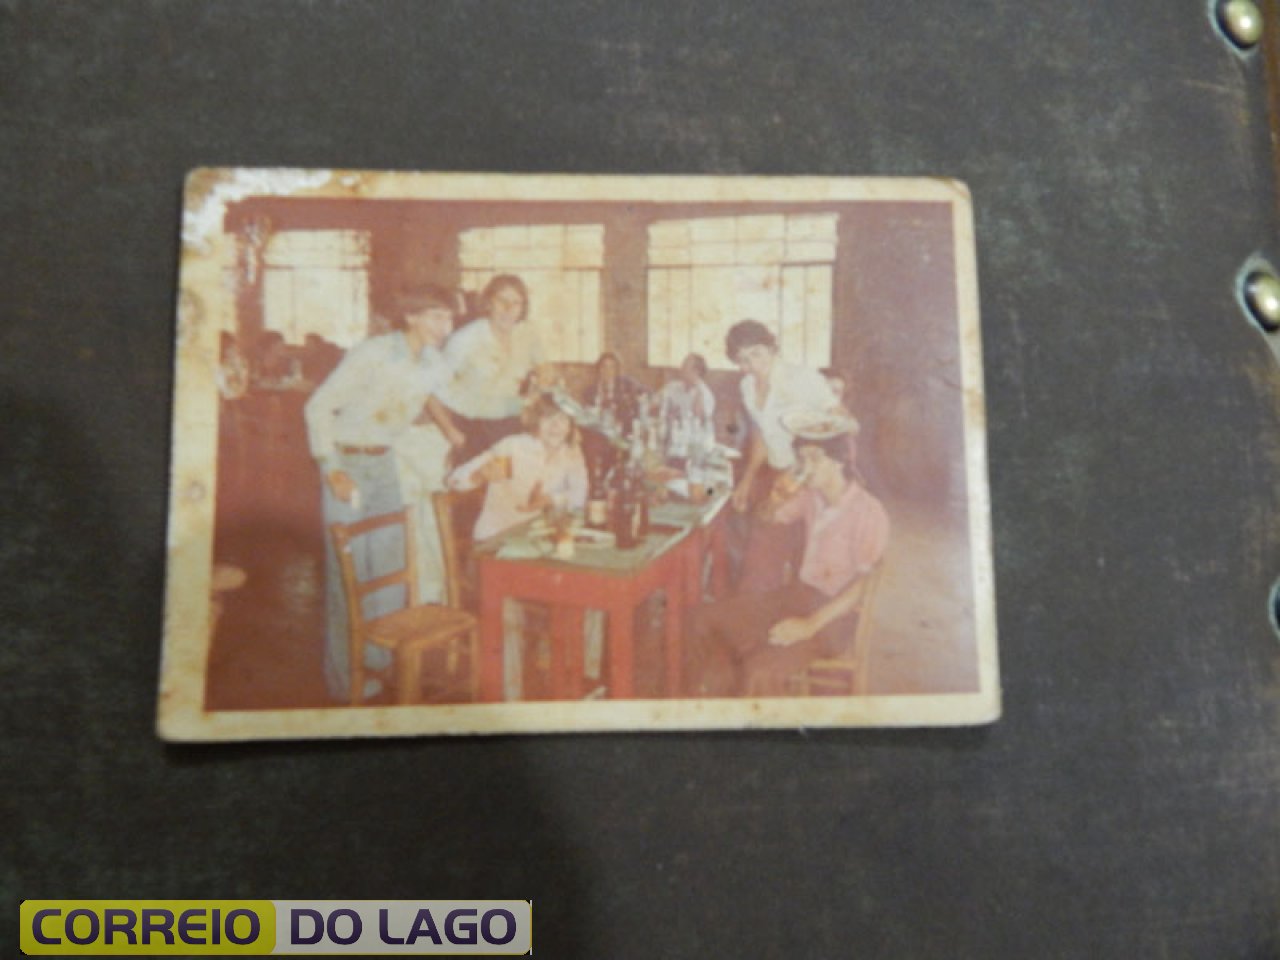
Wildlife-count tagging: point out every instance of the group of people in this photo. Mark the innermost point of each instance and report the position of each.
(427, 408)
(808, 531)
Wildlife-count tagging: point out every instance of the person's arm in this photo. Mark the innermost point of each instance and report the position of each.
(756, 455)
(321, 411)
(783, 507)
(443, 419)
(795, 630)
(814, 393)
(482, 468)
(546, 376)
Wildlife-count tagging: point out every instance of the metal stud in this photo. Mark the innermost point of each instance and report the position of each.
(1241, 20)
(1262, 294)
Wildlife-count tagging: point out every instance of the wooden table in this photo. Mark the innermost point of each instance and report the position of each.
(671, 560)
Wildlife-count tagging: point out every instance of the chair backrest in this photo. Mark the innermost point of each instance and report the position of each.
(344, 535)
(456, 513)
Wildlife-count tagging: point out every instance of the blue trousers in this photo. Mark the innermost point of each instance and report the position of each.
(375, 554)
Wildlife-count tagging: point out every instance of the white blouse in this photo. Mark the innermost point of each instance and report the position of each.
(791, 387)
(486, 376)
(560, 474)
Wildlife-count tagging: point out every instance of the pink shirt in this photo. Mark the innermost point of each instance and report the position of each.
(842, 541)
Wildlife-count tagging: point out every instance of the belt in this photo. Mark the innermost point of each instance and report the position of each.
(363, 451)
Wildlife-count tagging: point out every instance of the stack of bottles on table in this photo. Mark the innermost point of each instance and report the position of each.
(646, 433)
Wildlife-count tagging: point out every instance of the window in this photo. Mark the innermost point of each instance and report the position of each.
(707, 274)
(317, 281)
(561, 264)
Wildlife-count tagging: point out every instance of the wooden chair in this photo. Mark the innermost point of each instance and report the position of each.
(456, 513)
(847, 674)
(409, 633)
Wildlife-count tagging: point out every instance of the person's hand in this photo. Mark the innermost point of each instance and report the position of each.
(741, 495)
(537, 499)
(494, 470)
(341, 485)
(545, 376)
(793, 630)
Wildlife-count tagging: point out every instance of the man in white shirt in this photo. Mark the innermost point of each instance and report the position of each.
(356, 420)
(770, 388)
(491, 358)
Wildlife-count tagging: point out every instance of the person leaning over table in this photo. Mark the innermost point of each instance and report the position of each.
(356, 421)
(493, 359)
(749, 645)
(770, 388)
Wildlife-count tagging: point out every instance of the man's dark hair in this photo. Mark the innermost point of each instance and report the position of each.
(699, 364)
(837, 448)
(426, 296)
(748, 333)
(505, 281)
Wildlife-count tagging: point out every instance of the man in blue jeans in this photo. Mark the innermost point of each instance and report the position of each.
(371, 401)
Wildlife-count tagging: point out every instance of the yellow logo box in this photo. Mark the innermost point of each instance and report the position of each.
(67, 928)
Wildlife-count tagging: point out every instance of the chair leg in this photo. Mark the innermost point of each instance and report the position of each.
(356, 669)
(473, 656)
(409, 675)
(861, 678)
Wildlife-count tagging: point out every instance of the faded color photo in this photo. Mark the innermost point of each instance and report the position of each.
(462, 454)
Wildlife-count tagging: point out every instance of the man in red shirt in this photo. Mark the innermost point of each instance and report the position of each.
(749, 645)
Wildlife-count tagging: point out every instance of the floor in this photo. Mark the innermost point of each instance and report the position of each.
(268, 643)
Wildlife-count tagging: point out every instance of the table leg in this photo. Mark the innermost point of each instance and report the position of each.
(566, 652)
(673, 632)
(694, 552)
(622, 681)
(491, 594)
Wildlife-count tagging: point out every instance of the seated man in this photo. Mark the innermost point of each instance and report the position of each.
(750, 644)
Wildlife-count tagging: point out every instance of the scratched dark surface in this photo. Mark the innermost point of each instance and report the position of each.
(1126, 805)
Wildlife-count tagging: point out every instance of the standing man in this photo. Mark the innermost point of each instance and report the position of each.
(357, 421)
(492, 359)
(771, 387)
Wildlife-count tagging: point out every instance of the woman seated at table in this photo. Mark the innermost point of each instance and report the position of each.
(751, 644)
(528, 471)
(616, 395)
(525, 473)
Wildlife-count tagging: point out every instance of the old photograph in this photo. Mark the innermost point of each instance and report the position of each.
(463, 453)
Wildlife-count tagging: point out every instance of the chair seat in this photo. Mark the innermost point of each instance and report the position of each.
(423, 626)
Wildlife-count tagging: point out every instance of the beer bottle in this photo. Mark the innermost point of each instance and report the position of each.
(597, 496)
(622, 520)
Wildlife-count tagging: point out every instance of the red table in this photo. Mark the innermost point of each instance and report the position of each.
(569, 588)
